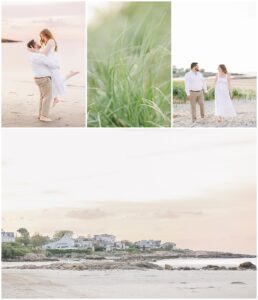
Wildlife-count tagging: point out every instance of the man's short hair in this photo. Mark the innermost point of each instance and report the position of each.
(194, 64)
(31, 44)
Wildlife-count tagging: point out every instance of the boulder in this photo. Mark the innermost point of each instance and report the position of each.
(168, 267)
(237, 282)
(147, 265)
(247, 266)
(186, 269)
(213, 267)
(232, 268)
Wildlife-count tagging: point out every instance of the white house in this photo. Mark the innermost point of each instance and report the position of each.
(105, 238)
(148, 244)
(7, 237)
(121, 246)
(84, 243)
(66, 242)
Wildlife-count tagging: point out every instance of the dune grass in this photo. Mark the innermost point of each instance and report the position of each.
(179, 93)
(129, 67)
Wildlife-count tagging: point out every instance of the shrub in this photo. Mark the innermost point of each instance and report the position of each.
(12, 250)
(180, 94)
(50, 252)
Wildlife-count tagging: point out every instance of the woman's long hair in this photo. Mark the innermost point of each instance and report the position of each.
(47, 33)
(223, 68)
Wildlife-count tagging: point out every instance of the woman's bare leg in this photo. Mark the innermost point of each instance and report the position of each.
(56, 100)
(71, 74)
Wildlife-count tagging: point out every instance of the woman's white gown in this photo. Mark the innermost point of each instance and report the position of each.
(223, 103)
(58, 82)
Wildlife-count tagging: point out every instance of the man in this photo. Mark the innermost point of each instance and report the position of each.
(41, 66)
(194, 87)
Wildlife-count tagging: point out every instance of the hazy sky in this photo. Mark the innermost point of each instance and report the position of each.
(196, 188)
(24, 20)
(212, 32)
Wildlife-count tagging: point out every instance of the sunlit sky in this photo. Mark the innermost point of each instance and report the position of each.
(25, 20)
(196, 188)
(213, 32)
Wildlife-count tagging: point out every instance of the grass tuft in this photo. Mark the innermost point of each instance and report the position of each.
(129, 67)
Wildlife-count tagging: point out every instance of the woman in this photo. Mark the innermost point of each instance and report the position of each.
(49, 48)
(223, 103)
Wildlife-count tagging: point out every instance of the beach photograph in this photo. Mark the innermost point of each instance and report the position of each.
(174, 217)
(214, 63)
(129, 64)
(43, 64)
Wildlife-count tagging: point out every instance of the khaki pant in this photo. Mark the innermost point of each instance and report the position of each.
(197, 97)
(45, 88)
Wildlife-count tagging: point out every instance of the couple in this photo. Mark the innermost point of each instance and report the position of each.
(46, 71)
(195, 86)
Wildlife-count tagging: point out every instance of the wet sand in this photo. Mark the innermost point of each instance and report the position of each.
(128, 284)
(20, 102)
(245, 109)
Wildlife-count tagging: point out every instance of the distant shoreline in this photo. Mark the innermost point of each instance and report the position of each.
(10, 41)
(239, 76)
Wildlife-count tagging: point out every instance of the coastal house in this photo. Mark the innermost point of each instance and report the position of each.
(168, 246)
(121, 246)
(66, 242)
(84, 243)
(106, 241)
(109, 243)
(105, 238)
(7, 237)
(148, 244)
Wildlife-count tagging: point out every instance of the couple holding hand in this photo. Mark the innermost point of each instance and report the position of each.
(195, 87)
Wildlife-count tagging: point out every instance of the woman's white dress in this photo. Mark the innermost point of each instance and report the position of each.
(223, 103)
(58, 82)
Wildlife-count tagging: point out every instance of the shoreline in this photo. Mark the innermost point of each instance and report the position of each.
(114, 264)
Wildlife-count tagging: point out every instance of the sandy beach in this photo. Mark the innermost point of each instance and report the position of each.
(245, 109)
(128, 284)
(20, 104)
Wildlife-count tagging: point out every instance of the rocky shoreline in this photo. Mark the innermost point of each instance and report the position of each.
(134, 265)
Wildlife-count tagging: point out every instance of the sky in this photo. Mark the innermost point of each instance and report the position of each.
(214, 32)
(24, 20)
(195, 188)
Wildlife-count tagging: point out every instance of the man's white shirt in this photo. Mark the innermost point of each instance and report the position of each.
(41, 64)
(194, 81)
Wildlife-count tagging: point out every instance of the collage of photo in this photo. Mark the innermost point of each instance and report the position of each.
(135, 78)
(129, 149)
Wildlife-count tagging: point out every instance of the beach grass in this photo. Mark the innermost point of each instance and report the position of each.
(179, 93)
(129, 67)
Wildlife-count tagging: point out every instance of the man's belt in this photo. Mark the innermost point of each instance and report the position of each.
(42, 77)
(196, 91)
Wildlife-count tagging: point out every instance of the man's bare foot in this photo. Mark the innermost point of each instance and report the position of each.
(56, 100)
(45, 119)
